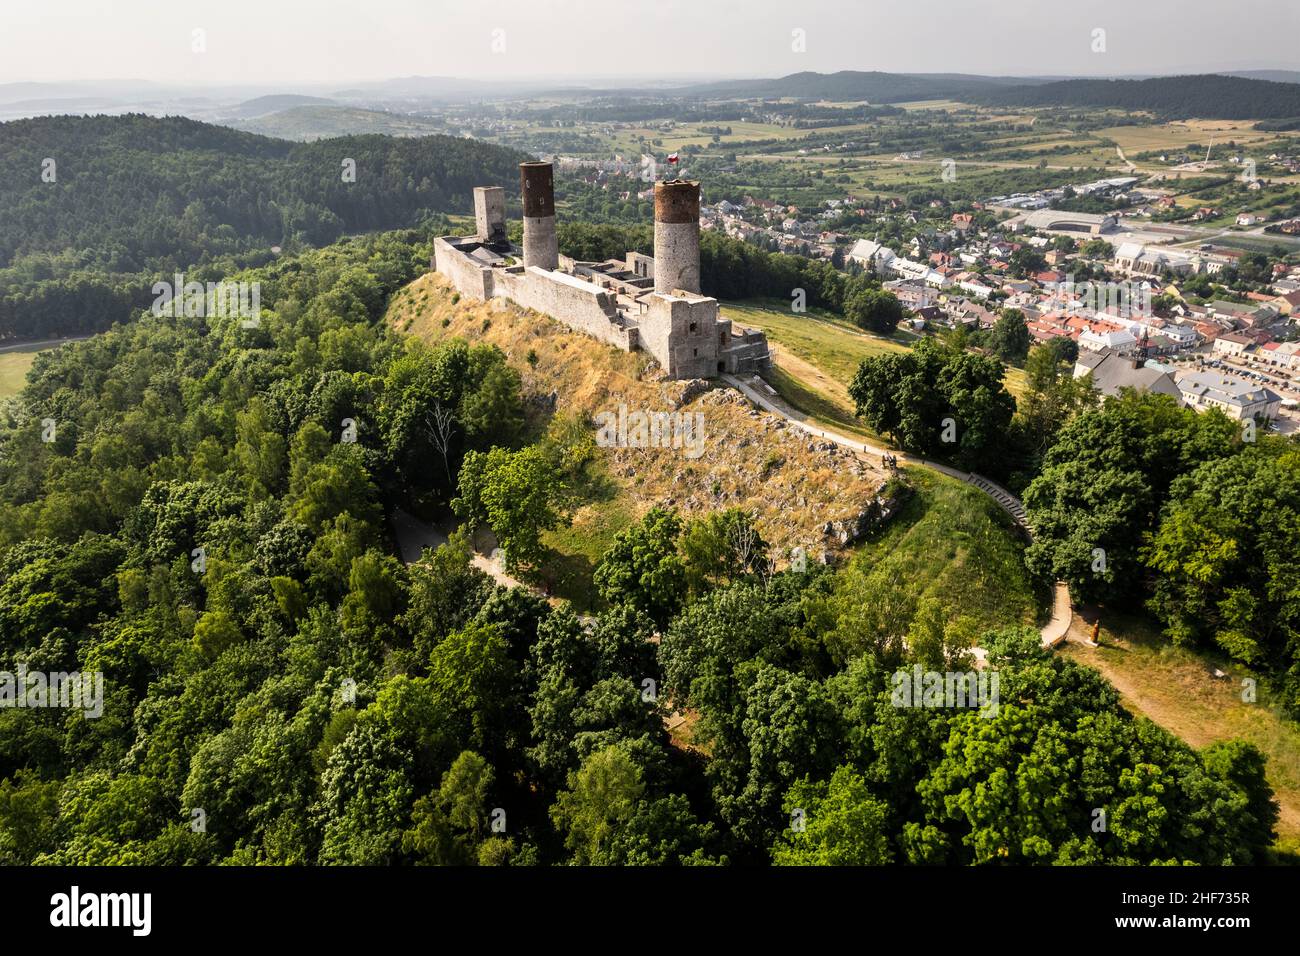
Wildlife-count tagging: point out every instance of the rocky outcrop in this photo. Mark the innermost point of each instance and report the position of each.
(888, 500)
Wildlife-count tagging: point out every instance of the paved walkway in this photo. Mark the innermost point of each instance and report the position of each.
(763, 395)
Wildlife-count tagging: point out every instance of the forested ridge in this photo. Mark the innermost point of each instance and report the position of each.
(1209, 95)
(97, 208)
(200, 526)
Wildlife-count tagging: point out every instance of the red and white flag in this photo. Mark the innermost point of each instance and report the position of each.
(672, 158)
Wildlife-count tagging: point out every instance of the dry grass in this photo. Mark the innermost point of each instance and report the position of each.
(751, 459)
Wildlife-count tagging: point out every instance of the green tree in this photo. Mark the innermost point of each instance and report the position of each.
(842, 824)
(602, 796)
(516, 495)
(643, 567)
(450, 824)
(1009, 336)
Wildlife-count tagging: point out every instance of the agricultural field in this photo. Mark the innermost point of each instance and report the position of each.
(897, 150)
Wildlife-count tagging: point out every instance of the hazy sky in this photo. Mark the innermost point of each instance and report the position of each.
(340, 41)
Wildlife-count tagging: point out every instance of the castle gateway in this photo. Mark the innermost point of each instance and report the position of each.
(652, 304)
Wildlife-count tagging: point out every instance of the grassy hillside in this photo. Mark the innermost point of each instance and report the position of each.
(817, 354)
(751, 460)
(816, 336)
(13, 371)
(950, 544)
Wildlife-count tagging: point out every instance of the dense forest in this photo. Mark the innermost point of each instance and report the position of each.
(200, 512)
(1209, 96)
(98, 208)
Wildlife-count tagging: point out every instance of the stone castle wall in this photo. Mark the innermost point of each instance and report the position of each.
(578, 304)
(467, 276)
(680, 328)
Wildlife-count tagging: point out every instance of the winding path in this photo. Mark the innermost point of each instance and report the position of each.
(764, 396)
(414, 536)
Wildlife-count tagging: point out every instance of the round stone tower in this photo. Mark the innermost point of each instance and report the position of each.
(677, 236)
(537, 184)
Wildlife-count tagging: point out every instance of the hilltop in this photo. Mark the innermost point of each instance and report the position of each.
(796, 487)
(308, 123)
(132, 198)
(873, 85)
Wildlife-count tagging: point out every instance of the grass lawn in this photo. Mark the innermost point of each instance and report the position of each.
(816, 336)
(1015, 382)
(826, 351)
(13, 369)
(833, 412)
(574, 551)
(953, 544)
(1175, 687)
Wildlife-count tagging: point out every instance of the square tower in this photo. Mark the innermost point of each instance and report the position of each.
(490, 213)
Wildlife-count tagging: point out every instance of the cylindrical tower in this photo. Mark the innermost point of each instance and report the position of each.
(541, 246)
(677, 236)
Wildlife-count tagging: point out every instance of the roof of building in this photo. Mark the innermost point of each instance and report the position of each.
(867, 249)
(1225, 388)
(1112, 371)
(1237, 338)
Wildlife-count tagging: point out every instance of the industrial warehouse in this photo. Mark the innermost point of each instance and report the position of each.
(651, 304)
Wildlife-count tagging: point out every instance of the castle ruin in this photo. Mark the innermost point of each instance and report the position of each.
(652, 304)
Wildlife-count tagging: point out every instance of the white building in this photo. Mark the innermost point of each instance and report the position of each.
(871, 255)
(1184, 335)
(1233, 343)
(1120, 341)
(1281, 354)
(1235, 397)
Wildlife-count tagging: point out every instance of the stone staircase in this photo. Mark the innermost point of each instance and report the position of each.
(1005, 499)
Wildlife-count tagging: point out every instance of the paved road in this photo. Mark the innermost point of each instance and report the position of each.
(758, 391)
(44, 343)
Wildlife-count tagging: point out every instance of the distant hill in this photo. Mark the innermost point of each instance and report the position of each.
(262, 105)
(135, 197)
(17, 92)
(856, 85)
(307, 123)
(1275, 76)
(1208, 96)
